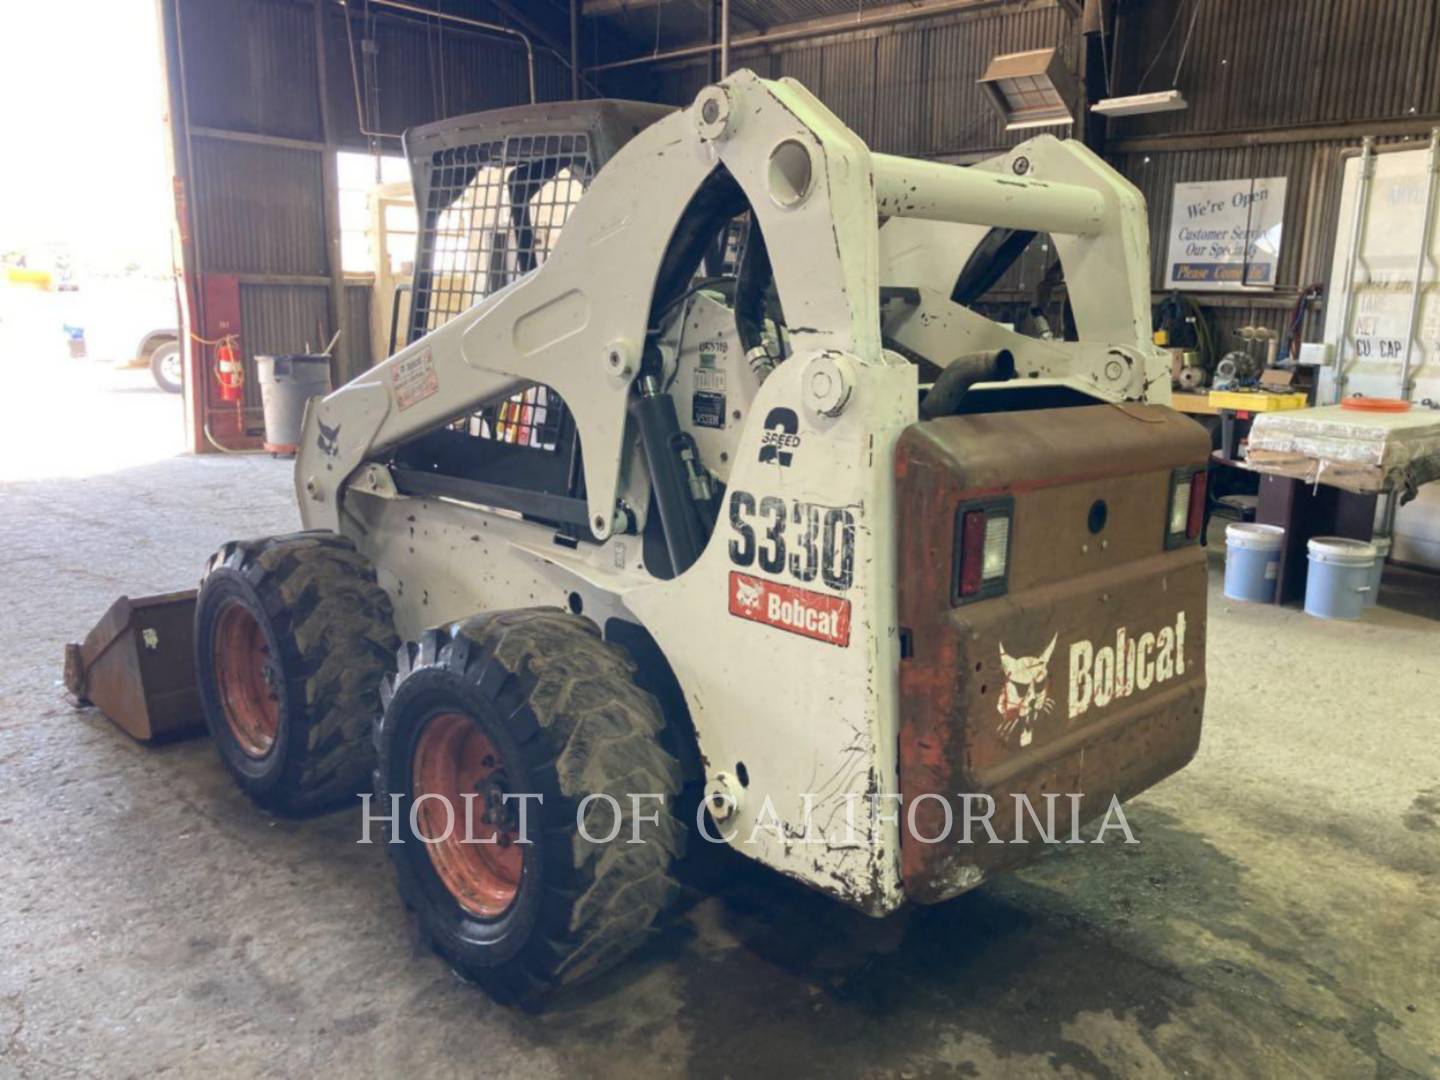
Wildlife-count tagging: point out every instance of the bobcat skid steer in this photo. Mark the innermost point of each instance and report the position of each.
(711, 480)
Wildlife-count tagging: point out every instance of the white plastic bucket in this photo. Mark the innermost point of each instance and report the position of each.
(1339, 579)
(1382, 552)
(1252, 561)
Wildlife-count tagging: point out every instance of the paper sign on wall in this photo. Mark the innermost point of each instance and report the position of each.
(1225, 234)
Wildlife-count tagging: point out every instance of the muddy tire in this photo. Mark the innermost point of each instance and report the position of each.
(293, 638)
(527, 703)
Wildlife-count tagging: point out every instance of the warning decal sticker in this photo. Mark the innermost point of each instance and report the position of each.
(414, 379)
(787, 607)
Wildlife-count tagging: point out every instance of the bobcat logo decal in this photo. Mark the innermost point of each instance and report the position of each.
(1026, 694)
(748, 595)
(328, 441)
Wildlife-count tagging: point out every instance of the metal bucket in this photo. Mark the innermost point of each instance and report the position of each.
(1382, 552)
(286, 384)
(137, 666)
(1338, 583)
(1252, 561)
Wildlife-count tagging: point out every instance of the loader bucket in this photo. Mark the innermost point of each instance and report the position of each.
(137, 666)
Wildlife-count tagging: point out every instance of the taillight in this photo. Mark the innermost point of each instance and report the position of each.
(1186, 515)
(982, 550)
(972, 548)
(1180, 506)
(1196, 521)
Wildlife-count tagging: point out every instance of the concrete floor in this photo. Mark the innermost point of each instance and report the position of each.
(1280, 917)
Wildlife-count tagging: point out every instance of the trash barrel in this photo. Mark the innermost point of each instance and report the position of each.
(286, 384)
(1252, 561)
(1338, 581)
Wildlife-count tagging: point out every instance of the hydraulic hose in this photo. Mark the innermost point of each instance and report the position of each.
(751, 286)
(674, 471)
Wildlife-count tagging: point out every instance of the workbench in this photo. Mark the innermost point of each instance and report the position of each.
(1255, 401)
(1193, 404)
(1361, 451)
(1216, 402)
(1302, 510)
(1323, 469)
(1235, 407)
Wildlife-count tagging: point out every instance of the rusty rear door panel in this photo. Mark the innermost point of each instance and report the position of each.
(1022, 693)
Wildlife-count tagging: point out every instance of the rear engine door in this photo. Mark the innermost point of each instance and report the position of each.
(1052, 595)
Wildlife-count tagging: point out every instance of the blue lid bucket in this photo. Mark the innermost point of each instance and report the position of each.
(1252, 561)
(1338, 584)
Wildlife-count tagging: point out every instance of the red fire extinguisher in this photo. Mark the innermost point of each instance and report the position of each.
(229, 370)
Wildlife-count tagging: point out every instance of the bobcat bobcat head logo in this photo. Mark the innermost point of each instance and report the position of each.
(1026, 694)
(328, 441)
(747, 595)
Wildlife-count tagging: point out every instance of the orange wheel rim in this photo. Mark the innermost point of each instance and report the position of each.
(248, 680)
(471, 840)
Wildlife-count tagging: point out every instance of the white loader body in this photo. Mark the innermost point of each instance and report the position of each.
(783, 632)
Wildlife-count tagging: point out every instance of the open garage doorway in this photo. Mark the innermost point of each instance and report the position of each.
(89, 345)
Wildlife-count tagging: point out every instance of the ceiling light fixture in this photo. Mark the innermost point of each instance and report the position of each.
(1136, 104)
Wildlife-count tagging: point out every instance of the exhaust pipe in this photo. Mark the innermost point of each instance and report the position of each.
(962, 373)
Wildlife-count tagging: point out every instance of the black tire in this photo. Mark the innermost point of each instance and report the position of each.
(167, 367)
(326, 631)
(563, 710)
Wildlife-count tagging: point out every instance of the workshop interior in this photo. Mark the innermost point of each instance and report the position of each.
(708, 537)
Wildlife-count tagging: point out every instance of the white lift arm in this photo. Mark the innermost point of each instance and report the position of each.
(578, 323)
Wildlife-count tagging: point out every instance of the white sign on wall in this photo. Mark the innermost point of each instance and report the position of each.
(1225, 234)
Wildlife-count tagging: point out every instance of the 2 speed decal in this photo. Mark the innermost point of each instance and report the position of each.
(780, 439)
(805, 540)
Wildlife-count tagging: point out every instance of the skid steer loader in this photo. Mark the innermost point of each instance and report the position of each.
(700, 472)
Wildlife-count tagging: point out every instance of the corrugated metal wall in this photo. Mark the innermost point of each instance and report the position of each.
(294, 318)
(1276, 88)
(425, 73)
(250, 66)
(1281, 88)
(278, 319)
(908, 88)
(357, 327)
(1249, 64)
(253, 156)
(1276, 64)
(258, 209)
